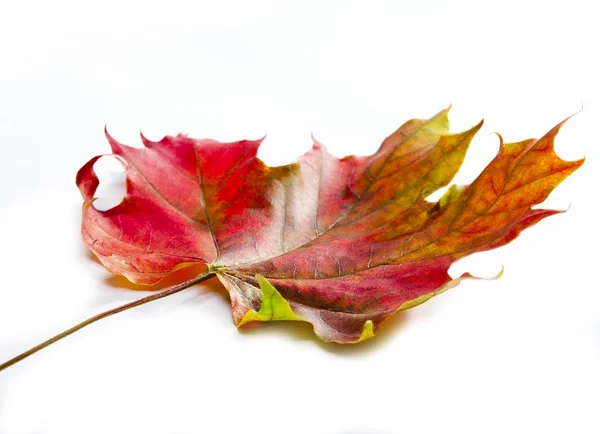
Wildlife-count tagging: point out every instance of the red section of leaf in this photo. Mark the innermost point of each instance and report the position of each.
(344, 241)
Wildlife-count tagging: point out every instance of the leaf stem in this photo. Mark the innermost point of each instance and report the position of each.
(170, 291)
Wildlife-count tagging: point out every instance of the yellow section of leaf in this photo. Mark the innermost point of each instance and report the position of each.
(367, 332)
(273, 306)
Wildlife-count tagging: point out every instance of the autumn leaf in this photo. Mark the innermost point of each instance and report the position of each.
(340, 243)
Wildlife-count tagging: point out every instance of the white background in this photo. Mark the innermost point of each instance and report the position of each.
(519, 355)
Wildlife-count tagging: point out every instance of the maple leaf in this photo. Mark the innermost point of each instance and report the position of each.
(340, 243)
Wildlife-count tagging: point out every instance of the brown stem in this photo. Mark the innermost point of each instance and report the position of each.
(170, 291)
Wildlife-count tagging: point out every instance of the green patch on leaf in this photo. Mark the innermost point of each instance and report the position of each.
(273, 306)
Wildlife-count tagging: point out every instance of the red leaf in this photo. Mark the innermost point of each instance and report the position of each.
(343, 242)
